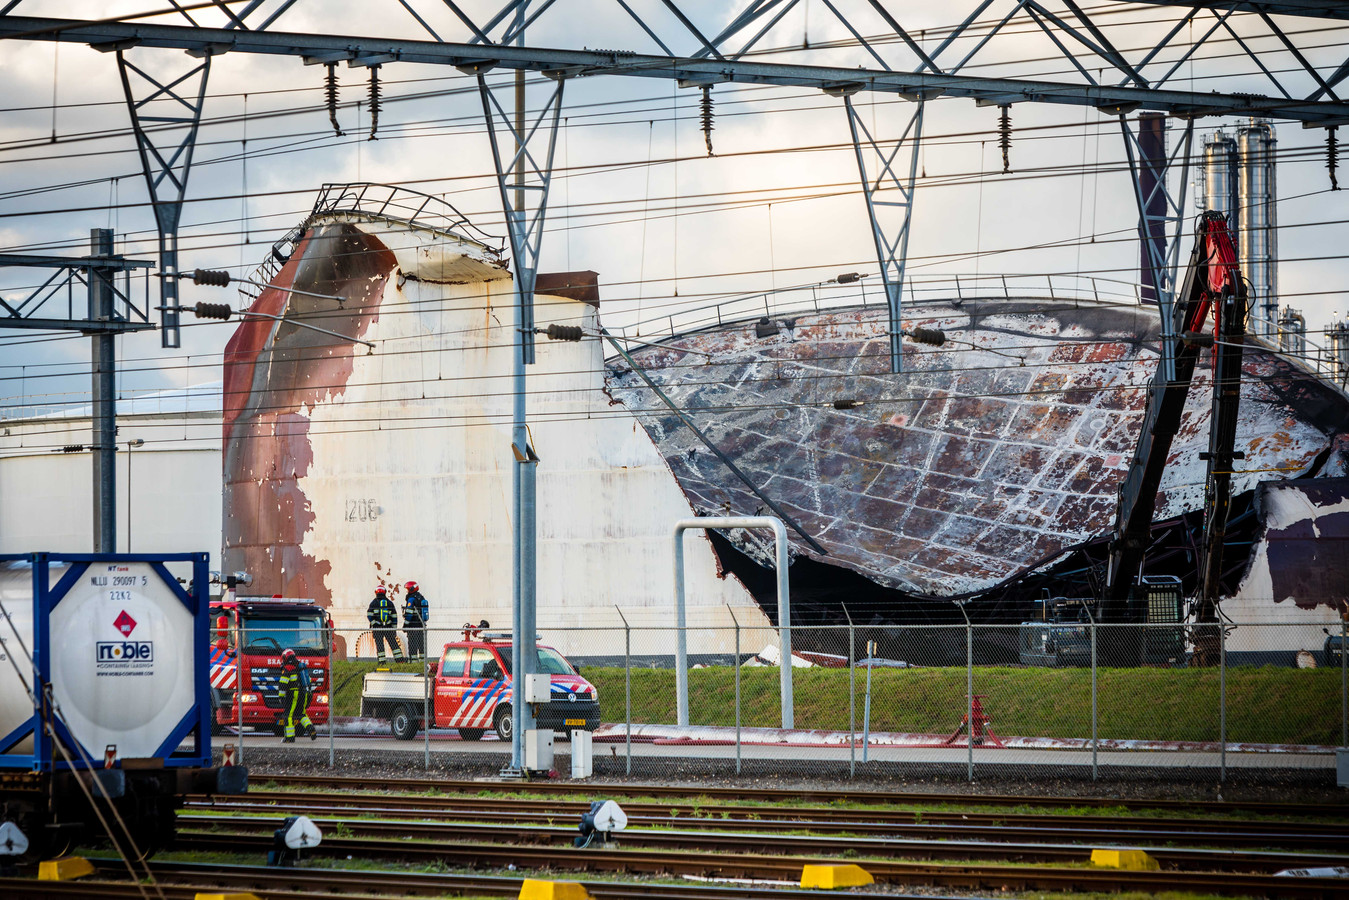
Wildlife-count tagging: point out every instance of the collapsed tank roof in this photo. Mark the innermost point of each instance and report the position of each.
(989, 456)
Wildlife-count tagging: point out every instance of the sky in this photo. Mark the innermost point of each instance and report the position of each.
(635, 197)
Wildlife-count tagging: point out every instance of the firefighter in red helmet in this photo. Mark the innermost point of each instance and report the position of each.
(415, 615)
(383, 618)
(295, 693)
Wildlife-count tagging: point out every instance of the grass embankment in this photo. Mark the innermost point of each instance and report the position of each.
(1264, 705)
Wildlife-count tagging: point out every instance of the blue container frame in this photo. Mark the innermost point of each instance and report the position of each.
(45, 600)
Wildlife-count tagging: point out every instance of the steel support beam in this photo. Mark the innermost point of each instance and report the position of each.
(888, 184)
(524, 178)
(165, 117)
(103, 393)
(1161, 216)
(572, 63)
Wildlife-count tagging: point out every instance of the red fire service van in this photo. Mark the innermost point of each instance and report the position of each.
(248, 636)
(470, 690)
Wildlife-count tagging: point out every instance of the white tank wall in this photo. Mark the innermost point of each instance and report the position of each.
(46, 499)
(394, 441)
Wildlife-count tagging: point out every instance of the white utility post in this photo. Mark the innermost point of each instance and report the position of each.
(784, 605)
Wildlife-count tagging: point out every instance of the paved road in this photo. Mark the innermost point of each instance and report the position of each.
(449, 742)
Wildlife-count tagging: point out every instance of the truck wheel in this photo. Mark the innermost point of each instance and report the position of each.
(504, 723)
(472, 734)
(403, 724)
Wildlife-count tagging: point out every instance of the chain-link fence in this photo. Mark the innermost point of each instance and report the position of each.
(1036, 701)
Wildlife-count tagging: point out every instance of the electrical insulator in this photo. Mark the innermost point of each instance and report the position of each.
(708, 117)
(374, 103)
(1332, 156)
(73, 448)
(557, 332)
(1005, 136)
(330, 91)
(211, 277)
(848, 278)
(932, 336)
(213, 310)
(847, 404)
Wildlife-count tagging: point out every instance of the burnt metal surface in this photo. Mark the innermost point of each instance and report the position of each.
(1305, 541)
(274, 371)
(987, 458)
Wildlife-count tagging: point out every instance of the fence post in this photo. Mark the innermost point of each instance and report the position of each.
(1092, 620)
(239, 679)
(426, 706)
(737, 687)
(1344, 687)
(969, 691)
(1222, 704)
(332, 697)
(969, 686)
(627, 689)
(852, 698)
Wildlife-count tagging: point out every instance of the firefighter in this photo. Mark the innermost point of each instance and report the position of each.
(294, 686)
(415, 614)
(383, 617)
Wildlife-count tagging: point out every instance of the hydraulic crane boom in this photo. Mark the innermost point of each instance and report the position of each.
(1211, 281)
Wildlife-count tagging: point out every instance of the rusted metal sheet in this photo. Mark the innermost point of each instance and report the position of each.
(989, 455)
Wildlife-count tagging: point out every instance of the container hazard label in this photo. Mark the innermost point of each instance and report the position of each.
(126, 657)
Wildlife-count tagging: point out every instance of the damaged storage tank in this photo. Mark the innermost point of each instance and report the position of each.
(991, 464)
(344, 469)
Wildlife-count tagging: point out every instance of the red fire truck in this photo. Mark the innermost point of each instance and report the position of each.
(248, 637)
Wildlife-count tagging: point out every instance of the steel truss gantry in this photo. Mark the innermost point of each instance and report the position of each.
(888, 183)
(896, 62)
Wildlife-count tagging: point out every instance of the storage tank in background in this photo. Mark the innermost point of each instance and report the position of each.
(1216, 186)
(1258, 243)
(346, 469)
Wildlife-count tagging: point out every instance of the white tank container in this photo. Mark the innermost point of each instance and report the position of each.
(121, 655)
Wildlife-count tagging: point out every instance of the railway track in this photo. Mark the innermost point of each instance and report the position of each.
(454, 838)
(1002, 826)
(725, 866)
(768, 795)
(181, 881)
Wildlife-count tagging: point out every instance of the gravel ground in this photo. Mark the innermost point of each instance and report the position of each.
(1278, 785)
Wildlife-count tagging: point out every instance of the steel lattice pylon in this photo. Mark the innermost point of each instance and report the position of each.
(888, 184)
(165, 141)
(1161, 215)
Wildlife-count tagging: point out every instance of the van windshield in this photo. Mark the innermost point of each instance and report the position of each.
(301, 633)
(549, 661)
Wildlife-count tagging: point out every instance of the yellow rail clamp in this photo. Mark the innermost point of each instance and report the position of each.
(234, 896)
(831, 877)
(1133, 860)
(533, 889)
(66, 868)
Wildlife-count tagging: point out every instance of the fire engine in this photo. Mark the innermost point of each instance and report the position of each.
(249, 635)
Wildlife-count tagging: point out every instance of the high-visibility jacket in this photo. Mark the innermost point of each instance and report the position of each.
(382, 613)
(293, 678)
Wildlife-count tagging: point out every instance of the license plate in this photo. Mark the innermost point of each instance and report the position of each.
(576, 722)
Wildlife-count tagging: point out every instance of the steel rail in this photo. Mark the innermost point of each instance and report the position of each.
(791, 845)
(730, 865)
(761, 794)
(311, 882)
(990, 826)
